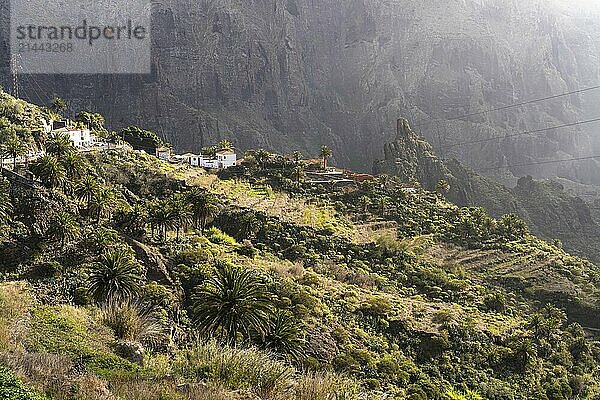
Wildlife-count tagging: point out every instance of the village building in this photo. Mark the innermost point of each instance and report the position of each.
(163, 153)
(79, 137)
(226, 158)
(221, 160)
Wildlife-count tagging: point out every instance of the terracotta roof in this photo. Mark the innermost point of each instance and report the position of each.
(226, 152)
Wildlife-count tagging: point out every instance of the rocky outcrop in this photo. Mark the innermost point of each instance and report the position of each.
(296, 74)
(550, 211)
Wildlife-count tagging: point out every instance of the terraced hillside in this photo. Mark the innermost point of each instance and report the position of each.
(125, 277)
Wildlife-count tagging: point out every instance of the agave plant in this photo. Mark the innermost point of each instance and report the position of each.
(116, 275)
(234, 301)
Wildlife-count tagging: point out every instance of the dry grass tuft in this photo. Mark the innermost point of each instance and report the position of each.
(57, 376)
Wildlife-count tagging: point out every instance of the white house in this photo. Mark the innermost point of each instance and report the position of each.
(192, 159)
(79, 137)
(226, 158)
(222, 160)
(163, 153)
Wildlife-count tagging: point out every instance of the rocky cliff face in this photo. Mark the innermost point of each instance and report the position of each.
(295, 74)
(550, 210)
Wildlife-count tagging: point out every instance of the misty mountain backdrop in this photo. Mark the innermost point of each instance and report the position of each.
(296, 74)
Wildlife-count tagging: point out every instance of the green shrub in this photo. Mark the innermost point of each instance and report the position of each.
(217, 237)
(11, 388)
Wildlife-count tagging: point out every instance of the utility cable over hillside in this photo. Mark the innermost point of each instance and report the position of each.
(507, 107)
(532, 132)
(540, 163)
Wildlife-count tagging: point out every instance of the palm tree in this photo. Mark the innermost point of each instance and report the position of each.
(284, 336)
(161, 218)
(86, 189)
(103, 201)
(74, 164)
(181, 212)
(234, 301)
(442, 186)
(205, 207)
(60, 145)
(57, 105)
(63, 228)
(210, 151)
(262, 157)
(524, 353)
(383, 202)
(225, 145)
(116, 275)
(134, 220)
(297, 156)
(49, 170)
(298, 173)
(364, 202)
(5, 205)
(247, 226)
(325, 154)
(14, 148)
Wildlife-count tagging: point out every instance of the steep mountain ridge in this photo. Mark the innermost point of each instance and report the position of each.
(295, 74)
(549, 209)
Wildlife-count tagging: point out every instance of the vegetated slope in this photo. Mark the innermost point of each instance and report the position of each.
(550, 211)
(442, 303)
(339, 73)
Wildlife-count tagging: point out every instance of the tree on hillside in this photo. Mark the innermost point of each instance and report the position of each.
(364, 202)
(225, 145)
(298, 173)
(49, 171)
(5, 204)
(512, 227)
(205, 207)
(116, 275)
(210, 151)
(57, 105)
(14, 148)
(94, 122)
(234, 301)
(63, 228)
(262, 157)
(103, 201)
(297, 156)
(325, 154)
(383, 202)
(60, 145)
(86, 189)
(74, 164)
(284, 336)
(161, 218)
(442, 186)
(181, 213)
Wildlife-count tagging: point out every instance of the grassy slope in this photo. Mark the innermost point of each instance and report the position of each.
(395, 297)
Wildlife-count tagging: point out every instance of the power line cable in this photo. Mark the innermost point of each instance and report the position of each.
(490, 110)
(541, 163)
(521, 133)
